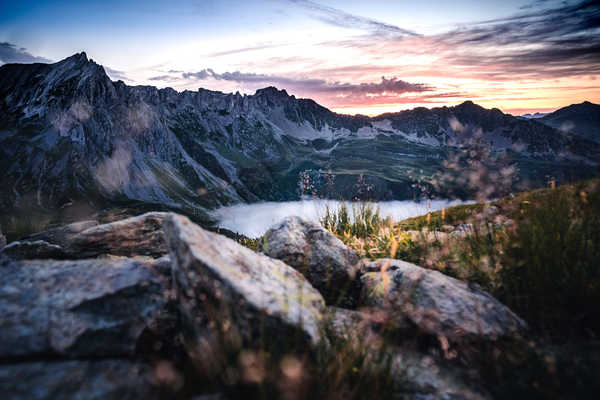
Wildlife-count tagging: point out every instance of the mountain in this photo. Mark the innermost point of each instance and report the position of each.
(534, 115)
(582, 119)
(74, 141)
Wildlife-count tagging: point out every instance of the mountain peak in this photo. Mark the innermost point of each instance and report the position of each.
(77, 58)
(468, 104)
(271, 91)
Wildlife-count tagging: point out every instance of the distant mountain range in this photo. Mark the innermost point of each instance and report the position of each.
(70, 137)
(533, 116)
(581, 119)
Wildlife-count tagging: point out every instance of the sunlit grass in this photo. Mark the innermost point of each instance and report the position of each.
(538, 251)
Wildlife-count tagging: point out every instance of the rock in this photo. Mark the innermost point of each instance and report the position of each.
(141, 235)
(413, 373)
(78, 308)
(358, 327)
(135, 236)
(77, 379)
(328, 264)
(231, 297)
(37, 249)
(62, 235)
(437, 304)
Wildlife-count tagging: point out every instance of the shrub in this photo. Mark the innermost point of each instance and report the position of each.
(551, 261)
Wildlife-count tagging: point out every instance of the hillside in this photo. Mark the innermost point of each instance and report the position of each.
(581, 119)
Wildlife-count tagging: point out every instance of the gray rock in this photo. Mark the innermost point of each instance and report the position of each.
(413, 374)
(437, 304)
(77, 380)
(328, 264)
(141, 235)
(78, 308)
(135, 236)
(231, 297)
(37, 249)
(61, 235)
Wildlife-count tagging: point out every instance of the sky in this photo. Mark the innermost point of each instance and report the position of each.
(351, 56)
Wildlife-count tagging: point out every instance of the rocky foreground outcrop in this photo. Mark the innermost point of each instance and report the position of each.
(83, 308)
(136, 236)
(437, 304)
(155, 306)
(232, 297)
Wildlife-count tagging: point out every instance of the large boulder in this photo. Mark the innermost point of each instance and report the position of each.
(79, 308)
(232, 298)
(413, 373)
(437, 304)
(77, 380)
(135, 236)
(328, 264)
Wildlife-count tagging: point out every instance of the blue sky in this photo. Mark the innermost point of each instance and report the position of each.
(338, 52)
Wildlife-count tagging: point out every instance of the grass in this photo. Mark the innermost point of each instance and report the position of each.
(551, 260)
(337, 367)
(538, 252)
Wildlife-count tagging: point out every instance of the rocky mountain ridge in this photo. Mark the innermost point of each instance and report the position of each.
(73, 141)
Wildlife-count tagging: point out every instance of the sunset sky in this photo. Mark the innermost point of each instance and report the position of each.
(352, 56)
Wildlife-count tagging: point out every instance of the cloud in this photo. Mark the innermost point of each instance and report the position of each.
(545, 43)
(200, 75)
(116, 74)
(244, 50)
(164, 78)
(391, 86)
(342, 19)
(534, 4)
(550, 39)
(10, 53)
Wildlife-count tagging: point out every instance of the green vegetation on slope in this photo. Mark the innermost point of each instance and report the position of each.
(537, 251)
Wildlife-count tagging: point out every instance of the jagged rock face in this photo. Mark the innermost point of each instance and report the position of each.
(135, 236)
(232, 298)
(69, 134)
(328, 264)
(87, 308)
(437, 304)
(78, 379)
